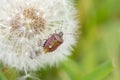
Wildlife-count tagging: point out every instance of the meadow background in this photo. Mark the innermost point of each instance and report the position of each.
(96, 55)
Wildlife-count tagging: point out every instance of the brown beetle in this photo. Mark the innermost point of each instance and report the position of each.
(53, 42)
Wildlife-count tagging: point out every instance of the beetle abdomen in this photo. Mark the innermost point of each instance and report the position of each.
(53, 43)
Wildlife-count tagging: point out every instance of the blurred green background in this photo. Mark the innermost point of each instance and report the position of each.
(96, 55)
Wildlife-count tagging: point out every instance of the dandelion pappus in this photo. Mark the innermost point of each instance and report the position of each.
(53, 42)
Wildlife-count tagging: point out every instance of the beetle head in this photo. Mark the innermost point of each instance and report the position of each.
(60, 34)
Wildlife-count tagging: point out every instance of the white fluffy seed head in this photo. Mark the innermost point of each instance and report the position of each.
(25, 25)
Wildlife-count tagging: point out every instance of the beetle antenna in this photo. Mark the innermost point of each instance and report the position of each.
(61, 26)
(56, 31)
(59, 29)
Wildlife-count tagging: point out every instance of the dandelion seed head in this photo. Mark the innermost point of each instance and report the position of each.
(29, 19)
(25, 26)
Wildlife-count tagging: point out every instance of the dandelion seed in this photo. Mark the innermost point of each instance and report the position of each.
(26, 24)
